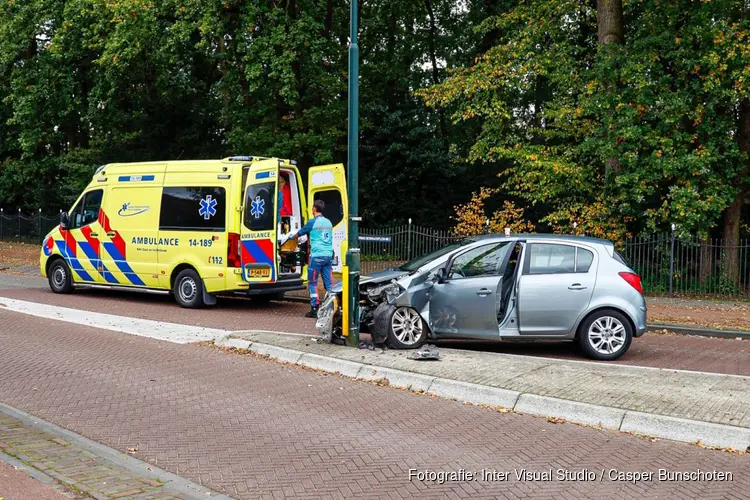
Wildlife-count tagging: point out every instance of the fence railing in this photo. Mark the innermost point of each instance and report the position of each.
(690, 265)
(27, 228)
(667, 264)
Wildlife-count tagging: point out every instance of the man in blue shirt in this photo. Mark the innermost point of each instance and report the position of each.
(321, 253)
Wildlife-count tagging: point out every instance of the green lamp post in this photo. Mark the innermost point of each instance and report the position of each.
(352, 255)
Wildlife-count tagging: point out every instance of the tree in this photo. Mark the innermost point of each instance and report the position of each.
(559, 106)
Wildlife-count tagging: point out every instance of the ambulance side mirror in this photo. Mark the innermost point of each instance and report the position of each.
(64, 220)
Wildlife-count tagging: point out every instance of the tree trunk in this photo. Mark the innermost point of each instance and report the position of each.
(433, 60)
(609, 22)
(610, 31)
(734, 213)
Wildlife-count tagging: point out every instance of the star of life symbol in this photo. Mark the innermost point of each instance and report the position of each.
(258, 207)
(208, 207)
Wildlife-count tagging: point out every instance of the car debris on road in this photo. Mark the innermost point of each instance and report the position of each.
(427, 352)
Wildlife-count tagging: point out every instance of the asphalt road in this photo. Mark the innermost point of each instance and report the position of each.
(253, 428)
(654, 350)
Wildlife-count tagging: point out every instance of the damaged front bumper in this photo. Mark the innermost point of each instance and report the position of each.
(329, 317)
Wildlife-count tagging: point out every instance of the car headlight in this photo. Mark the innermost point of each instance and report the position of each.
(326, 312)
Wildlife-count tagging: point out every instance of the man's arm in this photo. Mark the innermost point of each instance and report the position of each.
(305, 229)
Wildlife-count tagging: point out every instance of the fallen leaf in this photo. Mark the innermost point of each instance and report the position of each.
(556, 420)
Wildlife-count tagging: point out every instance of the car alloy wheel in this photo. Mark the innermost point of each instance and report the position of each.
(607, 335)
(407, 326)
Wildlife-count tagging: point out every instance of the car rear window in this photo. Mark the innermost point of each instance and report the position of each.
(584, 258)
(619, 258)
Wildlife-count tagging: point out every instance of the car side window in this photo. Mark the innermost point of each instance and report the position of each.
(548, 258)
(584, 258)
(485, 260)
(87, 210)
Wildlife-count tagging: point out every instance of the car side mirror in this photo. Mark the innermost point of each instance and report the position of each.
(64, 220)
(442, 275)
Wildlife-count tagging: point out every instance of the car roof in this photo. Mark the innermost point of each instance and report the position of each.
(530, 237)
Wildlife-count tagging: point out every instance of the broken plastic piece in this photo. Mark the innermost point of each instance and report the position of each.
(425, 352)
(366, 345)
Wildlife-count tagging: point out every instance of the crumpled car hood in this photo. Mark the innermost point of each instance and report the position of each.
(378, 277)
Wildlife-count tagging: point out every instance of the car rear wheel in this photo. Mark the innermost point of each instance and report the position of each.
(406, 329)
(59, 277)
(605, 335)
(188, 289)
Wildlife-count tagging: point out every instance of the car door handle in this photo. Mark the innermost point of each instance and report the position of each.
(577, 286)
(94, 235)
(484, 292)
(111, 234)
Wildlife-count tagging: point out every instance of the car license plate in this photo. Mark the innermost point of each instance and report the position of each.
(260, 273)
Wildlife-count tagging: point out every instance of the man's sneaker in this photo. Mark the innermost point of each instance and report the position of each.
(312, 313)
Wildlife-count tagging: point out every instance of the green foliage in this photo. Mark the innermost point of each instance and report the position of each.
(86, 82)
(560, 108)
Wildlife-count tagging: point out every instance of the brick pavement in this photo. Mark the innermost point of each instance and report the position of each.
(715, 398)
(653, 350)
(73, 466)
(16, 485)
(252, 428)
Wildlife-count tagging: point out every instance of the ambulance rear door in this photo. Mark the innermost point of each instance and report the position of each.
(328, 183)
(259, 225)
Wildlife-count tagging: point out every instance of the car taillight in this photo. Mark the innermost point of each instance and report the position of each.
(233, 250)
(633, 280)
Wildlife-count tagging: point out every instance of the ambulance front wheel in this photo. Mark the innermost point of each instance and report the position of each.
(188, 289)
(59, 277)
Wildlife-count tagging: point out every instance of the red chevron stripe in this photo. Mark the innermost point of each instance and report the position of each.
(116, 239)
(94, 242)
(70, 242)
(266, 246)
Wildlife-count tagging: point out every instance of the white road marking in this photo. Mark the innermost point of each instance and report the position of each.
(171, 332)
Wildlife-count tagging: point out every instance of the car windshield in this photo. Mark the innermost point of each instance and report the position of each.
(415, 264)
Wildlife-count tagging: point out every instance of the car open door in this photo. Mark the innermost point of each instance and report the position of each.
(466, 302)
(328, 183)
(259, 225)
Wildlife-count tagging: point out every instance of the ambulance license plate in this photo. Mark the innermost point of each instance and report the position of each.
(260, 273)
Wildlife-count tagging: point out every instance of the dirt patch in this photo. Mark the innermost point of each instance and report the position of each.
(713, 318)
(18, 254)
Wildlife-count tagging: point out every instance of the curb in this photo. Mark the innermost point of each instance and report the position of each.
(701, 332)
(661, 426)
(172, 482)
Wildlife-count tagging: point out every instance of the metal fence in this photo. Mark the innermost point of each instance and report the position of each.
(690, 266)
(29, 228)
(385, 248)
(667, 264)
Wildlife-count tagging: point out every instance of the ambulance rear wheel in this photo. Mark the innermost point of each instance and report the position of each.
(59, 277)
(188, 289)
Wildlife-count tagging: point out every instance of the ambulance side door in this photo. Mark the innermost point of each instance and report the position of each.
(132, 228)
(328, 183)
(258, 241)
(80, 244)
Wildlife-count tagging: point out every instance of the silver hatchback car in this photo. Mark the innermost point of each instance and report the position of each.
(504, 287)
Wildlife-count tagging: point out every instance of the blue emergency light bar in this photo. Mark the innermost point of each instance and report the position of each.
(240, 158)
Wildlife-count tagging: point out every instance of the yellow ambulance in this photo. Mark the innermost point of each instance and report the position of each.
(196, 229)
